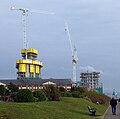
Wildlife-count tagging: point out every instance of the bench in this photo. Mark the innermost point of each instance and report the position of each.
(91, 110)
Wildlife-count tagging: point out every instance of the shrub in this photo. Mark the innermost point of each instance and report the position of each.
(66, 94)
(79, 89)
(76, 94)
(52, 93)
(97, 97)
(14, 96)
(40, 95)
(62, 89)
(24, 95)
(86, 98)
(35, 99)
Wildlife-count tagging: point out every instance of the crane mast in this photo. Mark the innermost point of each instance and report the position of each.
(24, 12)
(69, 37)
(74, 54)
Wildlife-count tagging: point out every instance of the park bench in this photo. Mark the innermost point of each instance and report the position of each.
(91, 110)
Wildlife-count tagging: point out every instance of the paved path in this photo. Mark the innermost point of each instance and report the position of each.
(108, 114)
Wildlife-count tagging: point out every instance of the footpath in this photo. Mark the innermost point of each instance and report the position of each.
(108, 114)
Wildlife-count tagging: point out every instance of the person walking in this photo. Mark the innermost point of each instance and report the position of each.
(113, 103)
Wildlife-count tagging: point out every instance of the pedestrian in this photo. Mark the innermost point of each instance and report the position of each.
(113, 103)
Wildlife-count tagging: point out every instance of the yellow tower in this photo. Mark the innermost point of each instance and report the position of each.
(29, 67)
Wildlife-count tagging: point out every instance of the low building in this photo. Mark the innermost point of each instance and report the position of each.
(38, 84)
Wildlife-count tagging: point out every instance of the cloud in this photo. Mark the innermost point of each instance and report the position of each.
(89, 69)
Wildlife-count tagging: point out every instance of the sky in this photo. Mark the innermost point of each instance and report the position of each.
(94, 27)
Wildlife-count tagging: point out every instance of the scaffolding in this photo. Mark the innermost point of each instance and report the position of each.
(90, 80)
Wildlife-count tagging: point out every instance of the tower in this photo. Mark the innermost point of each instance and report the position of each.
(29, 67)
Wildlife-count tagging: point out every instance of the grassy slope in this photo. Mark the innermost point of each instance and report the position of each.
(67, 108)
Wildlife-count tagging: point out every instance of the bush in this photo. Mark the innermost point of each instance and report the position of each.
(86, 98)
(66, 94)
(79, 89)
(40, 95)
(62, 89)
(35, 99)
(24, 95)
(97, 97)
(14, 96)
(76, 94)
(52, 93)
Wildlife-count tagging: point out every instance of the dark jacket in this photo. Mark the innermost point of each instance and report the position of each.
(113, 102)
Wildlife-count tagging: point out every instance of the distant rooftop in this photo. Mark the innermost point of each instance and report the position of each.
(36, 81)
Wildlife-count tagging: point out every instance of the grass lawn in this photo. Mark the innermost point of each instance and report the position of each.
(67, 108)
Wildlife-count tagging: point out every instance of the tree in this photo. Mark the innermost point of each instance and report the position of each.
(2, 90)
(24, 95)
(40, 95)
(12, 87)
(52, 93)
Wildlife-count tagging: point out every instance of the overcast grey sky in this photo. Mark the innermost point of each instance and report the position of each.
(95, 31)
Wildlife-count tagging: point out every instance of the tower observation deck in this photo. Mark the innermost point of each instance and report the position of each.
(29, 67)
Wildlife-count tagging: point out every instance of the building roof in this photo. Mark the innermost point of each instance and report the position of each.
(37, 81)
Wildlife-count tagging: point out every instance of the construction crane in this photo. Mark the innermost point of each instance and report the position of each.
(24, 12)
(74, 54)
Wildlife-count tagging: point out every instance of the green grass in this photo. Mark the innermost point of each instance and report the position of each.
(67, 108)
